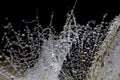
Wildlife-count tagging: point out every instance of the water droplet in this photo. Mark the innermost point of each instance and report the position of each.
(23, 35)
(5, 33)
(26, 45)
(12, 77)
(5, 27)
(12, 29)
(18, 34)
(0, 56)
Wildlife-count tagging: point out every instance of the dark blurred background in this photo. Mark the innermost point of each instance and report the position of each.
(84, 11)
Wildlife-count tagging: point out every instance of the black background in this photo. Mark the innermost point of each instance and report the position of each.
(85, 10)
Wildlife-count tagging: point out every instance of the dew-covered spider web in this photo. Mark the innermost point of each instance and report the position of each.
(79, 52)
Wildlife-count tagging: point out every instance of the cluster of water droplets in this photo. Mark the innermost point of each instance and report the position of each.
(85, 41)
(41, 54)
(19, 46)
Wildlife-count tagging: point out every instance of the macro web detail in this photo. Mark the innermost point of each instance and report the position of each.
(39, 53)
(85, 43)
